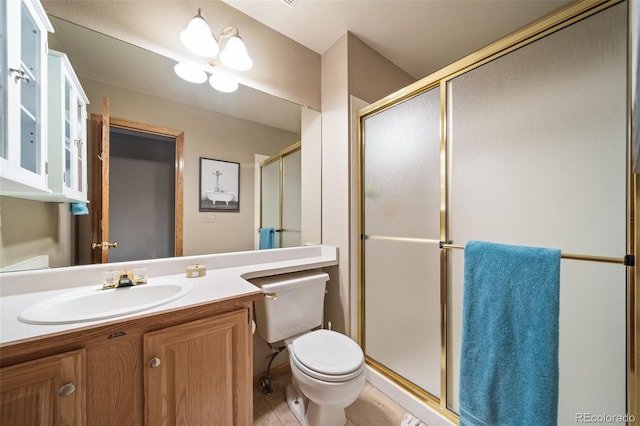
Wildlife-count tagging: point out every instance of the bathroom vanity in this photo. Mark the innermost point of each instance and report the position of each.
(188, 361)
(126, 372)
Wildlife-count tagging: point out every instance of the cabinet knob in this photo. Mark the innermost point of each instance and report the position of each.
(67, 389)
(154, 363)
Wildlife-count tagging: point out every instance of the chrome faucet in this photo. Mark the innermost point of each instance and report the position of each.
(115, 279)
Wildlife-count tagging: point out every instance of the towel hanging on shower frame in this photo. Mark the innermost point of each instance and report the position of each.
(627, 260)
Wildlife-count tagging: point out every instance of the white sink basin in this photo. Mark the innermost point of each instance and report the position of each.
(89, 304)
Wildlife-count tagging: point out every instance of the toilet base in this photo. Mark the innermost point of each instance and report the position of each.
(309, 413)
(297, 403)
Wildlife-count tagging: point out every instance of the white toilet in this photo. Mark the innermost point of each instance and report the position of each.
(327, 368)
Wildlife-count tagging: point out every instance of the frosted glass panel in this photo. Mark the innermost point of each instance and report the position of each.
(402, 169)
(551, 117)
(539, 158)
(402, 316)
(402, 278)
(291, 200)
(270, 197)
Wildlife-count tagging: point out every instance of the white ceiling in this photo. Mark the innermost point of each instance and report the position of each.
(419, 36)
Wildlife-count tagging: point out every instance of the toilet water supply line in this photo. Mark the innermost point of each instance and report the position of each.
(265, 383)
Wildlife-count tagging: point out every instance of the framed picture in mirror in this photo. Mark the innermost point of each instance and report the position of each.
(219, 186)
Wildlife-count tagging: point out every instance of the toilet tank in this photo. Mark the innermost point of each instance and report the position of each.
(292, 304)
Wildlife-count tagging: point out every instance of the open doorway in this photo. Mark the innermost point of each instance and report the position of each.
(137, 191)
(142, 195)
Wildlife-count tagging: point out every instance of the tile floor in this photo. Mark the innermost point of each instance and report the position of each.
(373, 408)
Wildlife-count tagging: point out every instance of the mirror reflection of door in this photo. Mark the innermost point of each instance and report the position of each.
(136, 191)
(281, 196)
(142, 195)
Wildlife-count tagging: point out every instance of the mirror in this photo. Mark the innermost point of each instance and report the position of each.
(142, 87)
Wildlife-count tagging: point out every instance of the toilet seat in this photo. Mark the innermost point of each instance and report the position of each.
(327, 355)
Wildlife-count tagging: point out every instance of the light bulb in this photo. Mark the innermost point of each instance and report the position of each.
(201, 45)
(198, 39)
(190, 72)
(198, 25)
(223, 83)
(235, 55)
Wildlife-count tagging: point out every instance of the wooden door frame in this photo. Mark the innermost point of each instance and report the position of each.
(96, 182)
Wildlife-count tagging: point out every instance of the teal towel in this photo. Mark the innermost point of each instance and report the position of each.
(78, 209)
(267, 238)
(509, 354)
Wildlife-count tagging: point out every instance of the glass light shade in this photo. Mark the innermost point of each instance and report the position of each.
(235, 55)
(198, 25)
(198, 39)
(223, 83)
(190, 73)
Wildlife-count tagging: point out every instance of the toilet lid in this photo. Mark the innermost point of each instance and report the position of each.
(328, 352)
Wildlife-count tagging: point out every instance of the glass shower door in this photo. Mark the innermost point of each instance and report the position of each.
(401, 255)
(561, 143)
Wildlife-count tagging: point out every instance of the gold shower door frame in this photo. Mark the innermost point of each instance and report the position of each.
(572, 13)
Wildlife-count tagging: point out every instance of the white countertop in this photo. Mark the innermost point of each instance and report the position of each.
(226, 278)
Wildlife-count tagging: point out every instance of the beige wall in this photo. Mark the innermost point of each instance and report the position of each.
(349, 67)
(32, 228)
(335, 172)
(311, 124)
(371, 75)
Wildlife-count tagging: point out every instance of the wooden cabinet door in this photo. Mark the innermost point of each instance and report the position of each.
(114, 382)
(200, 373)
(44, 392)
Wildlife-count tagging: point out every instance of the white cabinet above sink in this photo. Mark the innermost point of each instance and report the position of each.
(43, 123)
(23, 139)
(67, 131)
